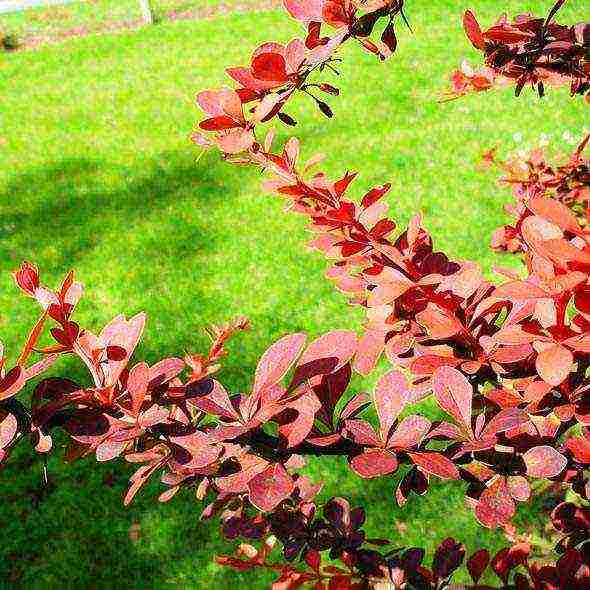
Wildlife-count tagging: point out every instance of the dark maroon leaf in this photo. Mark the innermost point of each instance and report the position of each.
(478, 563)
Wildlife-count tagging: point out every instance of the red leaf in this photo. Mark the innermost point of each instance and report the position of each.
(337, 13)
(330, 390)
(340, 188)
(544, 461)
(361, 432)
(109, 449)
(409, 433)
(339, 346)
(268, 107)
(270, 487)
(312, 370)
(8, 428)
(374, 463)
(454, 394)
(194, 451)
(519, 487)
(137, 480)
(580, 448)
(251, 466)
(165, 370)
(219, 123)
(439, 324)
(294, 54)
(313, 559)
(448, 557)
(116, 353)
(27, 278)
(351, 248)
(296, 428)
(562, 252)
(503, 34)
(582, 34)
(305, 11)
(235, 141)
(242, 76)
(507, 559)
(354, 406)
(388, 292)
(32, 339)
(382, 228)
(495, 506)
(137, 384)
(554, 364)
(370, 347)
(554, 211)
(473, 30)
(374, 195)
(277, 360)
(269, 67)
(213, 399)
(435, 464)
(520, 290)
(125, 334)
(208, 100)
(505, 420)
(391, 393)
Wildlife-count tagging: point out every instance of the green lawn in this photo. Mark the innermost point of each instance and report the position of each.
(82, 17)
(97, 174)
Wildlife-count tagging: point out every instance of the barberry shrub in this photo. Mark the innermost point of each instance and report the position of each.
(507, 362)
(527, 51)
(532, 174)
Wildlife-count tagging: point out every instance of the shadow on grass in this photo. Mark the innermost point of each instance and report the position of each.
(68, 208)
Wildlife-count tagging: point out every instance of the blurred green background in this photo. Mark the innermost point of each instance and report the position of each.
(98, 175)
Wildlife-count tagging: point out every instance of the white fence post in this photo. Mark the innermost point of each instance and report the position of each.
(146, 11)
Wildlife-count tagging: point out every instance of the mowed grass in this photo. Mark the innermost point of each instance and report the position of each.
(98, 175)
(82, 17)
